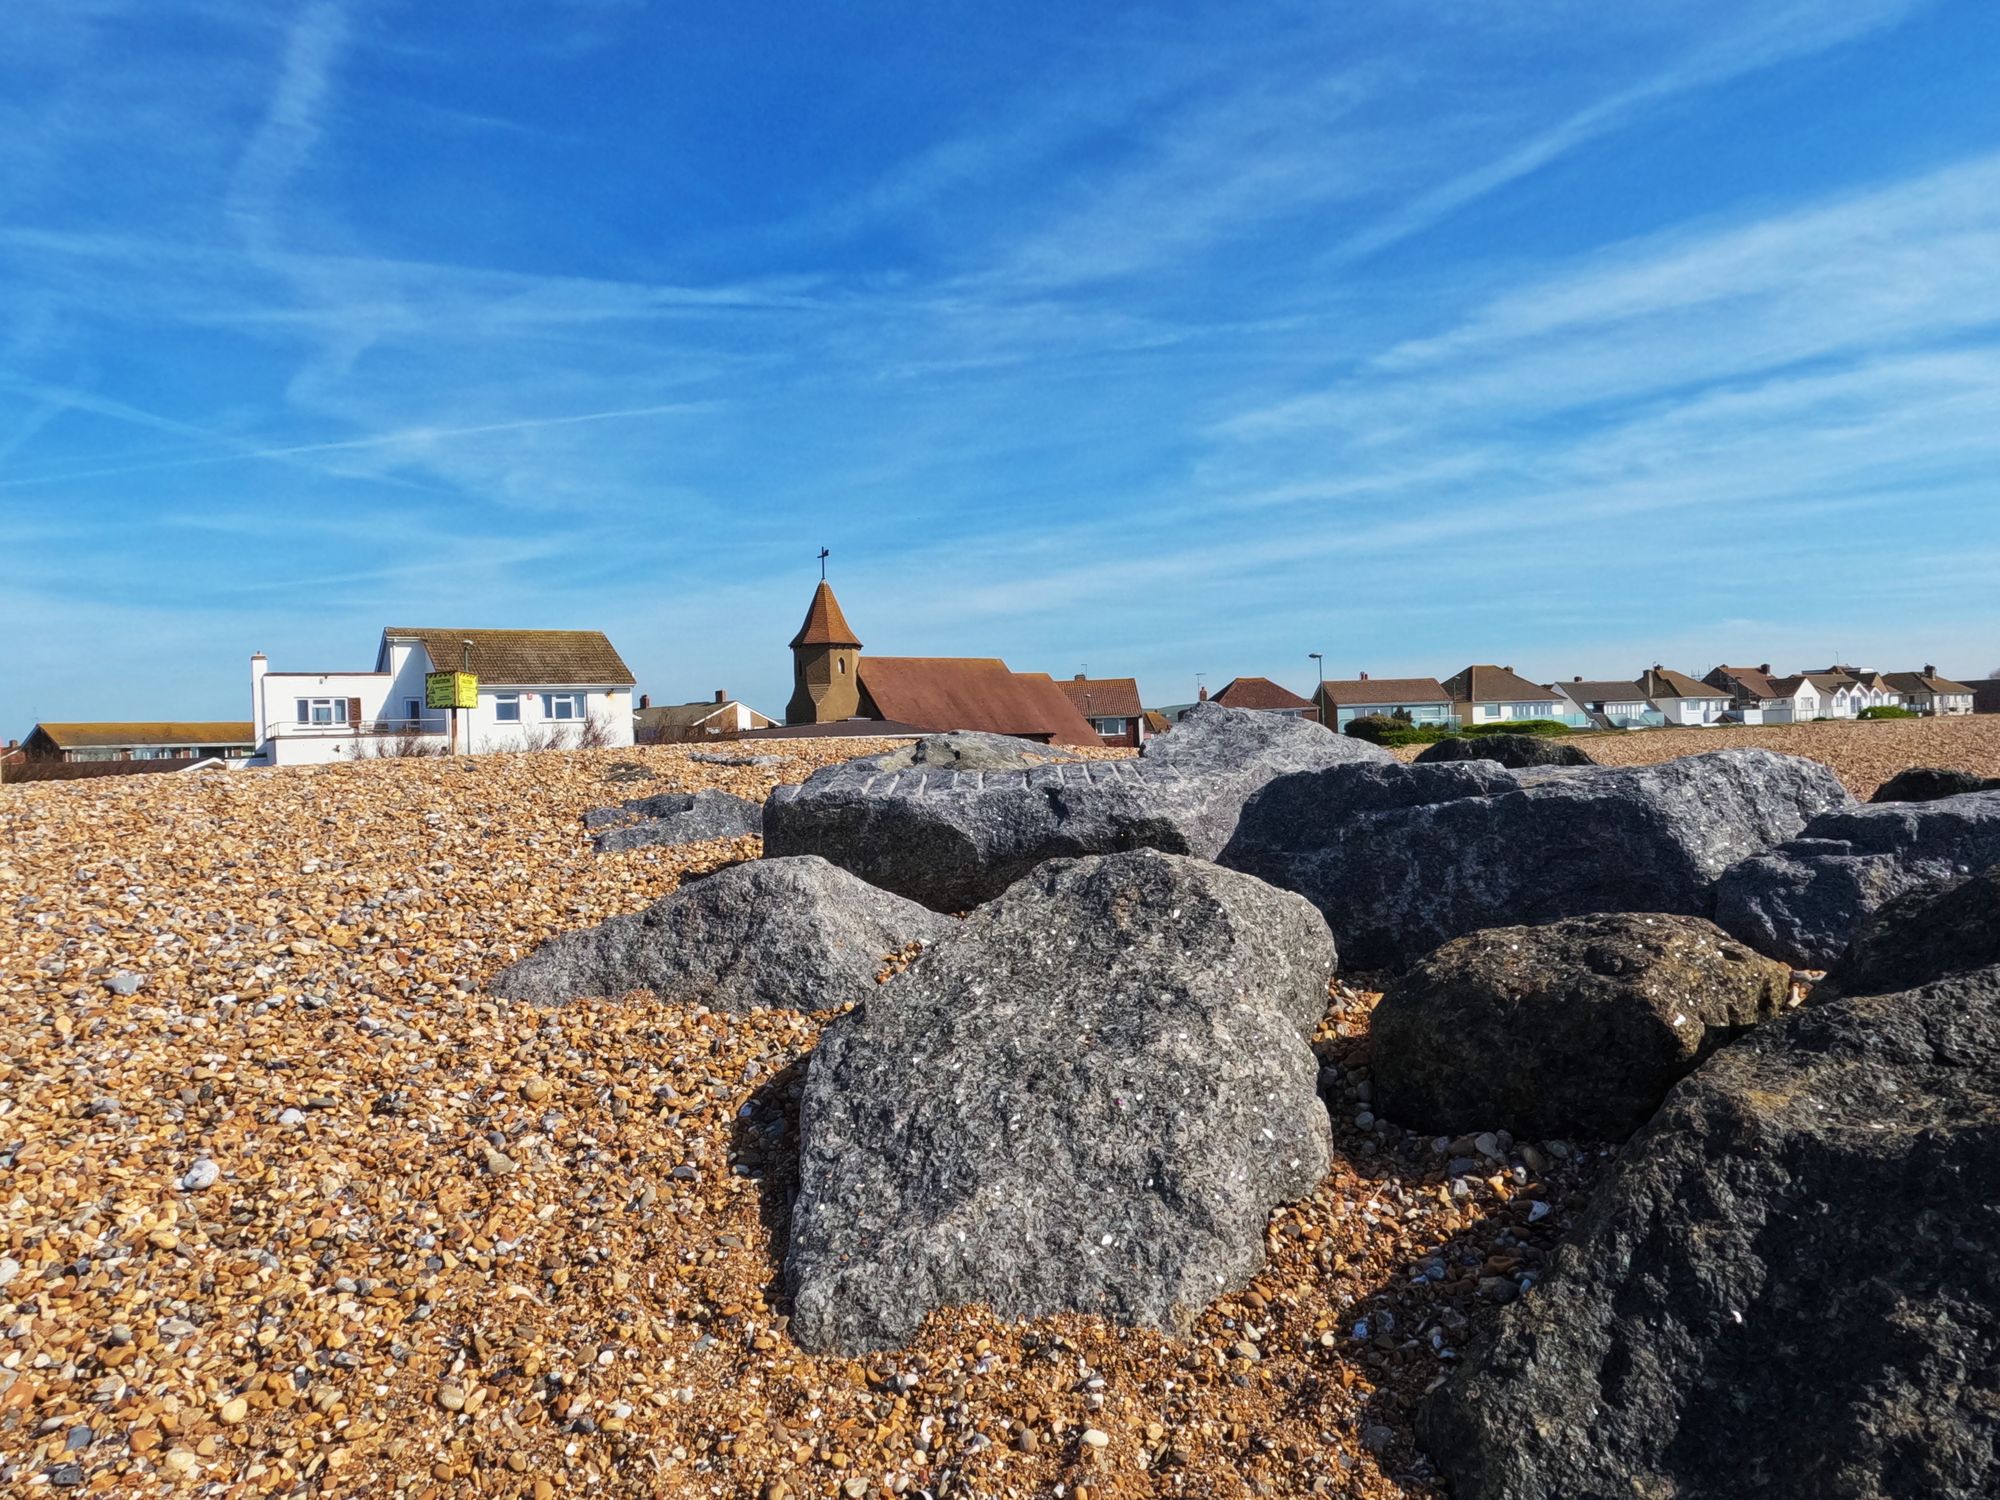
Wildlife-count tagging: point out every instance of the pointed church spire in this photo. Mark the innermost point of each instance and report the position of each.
(825, 625)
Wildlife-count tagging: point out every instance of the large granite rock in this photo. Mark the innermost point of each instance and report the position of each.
(1575, 1029)
(1946, 927)
(1805, 900)
(913, 823)
(792, 933)
(1518, 752)
(1403, 858)
(1089, 1097)
(1789, 1288)
(673, 818)
(1929, 783)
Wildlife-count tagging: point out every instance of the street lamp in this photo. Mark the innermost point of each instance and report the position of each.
(1319, 660)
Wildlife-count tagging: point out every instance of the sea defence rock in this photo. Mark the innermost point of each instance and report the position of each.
(955, 819)
(1518, 752)
(793, 933)
(1403, 858)
(1929, 783)
(1574, 1029)
(1789, 1288)
(674, 818)
(1805, 900)
(1946, 927)
(1089, 1097)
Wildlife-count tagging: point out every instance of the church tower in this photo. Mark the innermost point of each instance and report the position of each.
(826, 665)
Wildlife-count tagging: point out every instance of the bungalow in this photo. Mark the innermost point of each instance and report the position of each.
(1928, 693)
(1494, 695)
(1842, 693)
(1420, 700)
(1613, 705)
(1265, 696)
(1682, 699)
(529, 688)
(201, 740)
(1111, 704)
(673, 723)
(1775, 700)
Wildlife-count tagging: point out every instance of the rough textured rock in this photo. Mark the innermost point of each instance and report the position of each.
(970, 750)
(1789, 1288)
(952, 838)
(1517, 752)
(1929, 783)
(1089, 1097)
(1574, 1029)
(796, 933)
(675, 818)
(1947, 927)
(1403, 858)
(1805, 900)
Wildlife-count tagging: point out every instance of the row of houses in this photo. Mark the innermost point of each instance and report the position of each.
(1655, 698)
(436, 690)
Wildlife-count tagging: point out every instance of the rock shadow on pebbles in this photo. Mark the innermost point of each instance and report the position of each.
(1089, 1098)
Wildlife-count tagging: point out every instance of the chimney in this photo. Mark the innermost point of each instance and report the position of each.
(1079, 677)
(721, 696)
(645, 700)
(258, 667)
(1929, 670)
(1507, 669)
(1765, 668)
(1364, 676)
(1577, 678)
(1203, 694)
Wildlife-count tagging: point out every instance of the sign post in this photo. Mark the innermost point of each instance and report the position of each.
(453, 691)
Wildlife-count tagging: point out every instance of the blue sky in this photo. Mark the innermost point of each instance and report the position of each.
(1163, 338)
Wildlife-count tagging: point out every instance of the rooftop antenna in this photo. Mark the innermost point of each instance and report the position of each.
(823, 556)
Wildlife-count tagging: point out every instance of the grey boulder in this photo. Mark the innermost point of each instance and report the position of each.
(673, 818)
(1090, 1097)
(1929, 783)
(955, 819)
(791, 933)
(1574, 1029)
(1805, 900)
(1789, 1288)
(1403, 858)
(1518, 752)
(1946, 927)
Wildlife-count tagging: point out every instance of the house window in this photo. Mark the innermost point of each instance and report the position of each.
(412, 710)
(564, 706)
(1108, 726)
(507, 708)
(322, 710)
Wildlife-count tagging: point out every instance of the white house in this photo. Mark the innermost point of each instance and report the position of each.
(1845, 691)
(1485, 694)
(1682, 699)
(1615, 705)
(721, 715)
(1928, 693)
(1773, 700)
(536, 688)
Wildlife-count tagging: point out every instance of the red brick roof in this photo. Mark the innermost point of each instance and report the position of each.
(1103, 697)
(1258, 692)
(825, 625)
(940, 693)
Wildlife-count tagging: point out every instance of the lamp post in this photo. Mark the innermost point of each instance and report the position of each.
(1319, 705)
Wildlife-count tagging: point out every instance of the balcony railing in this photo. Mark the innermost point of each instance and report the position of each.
(362, 729)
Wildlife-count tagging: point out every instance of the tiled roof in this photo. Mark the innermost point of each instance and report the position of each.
(108, 736)
(687, 715)
(1924, 682)
(523, 658)
(1754, 682)
(1347, 693)
(939, 693)
(1258, 692)
(1103, 697)
(825, 625)
(1665, 682)
(1586, 693)
(1490, 684)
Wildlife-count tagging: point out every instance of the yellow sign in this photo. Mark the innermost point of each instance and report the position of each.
(451, 690)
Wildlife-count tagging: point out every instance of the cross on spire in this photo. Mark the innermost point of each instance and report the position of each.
(823, 556)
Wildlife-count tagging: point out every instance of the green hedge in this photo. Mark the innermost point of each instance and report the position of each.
(1380, 729)
(1885, 711)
